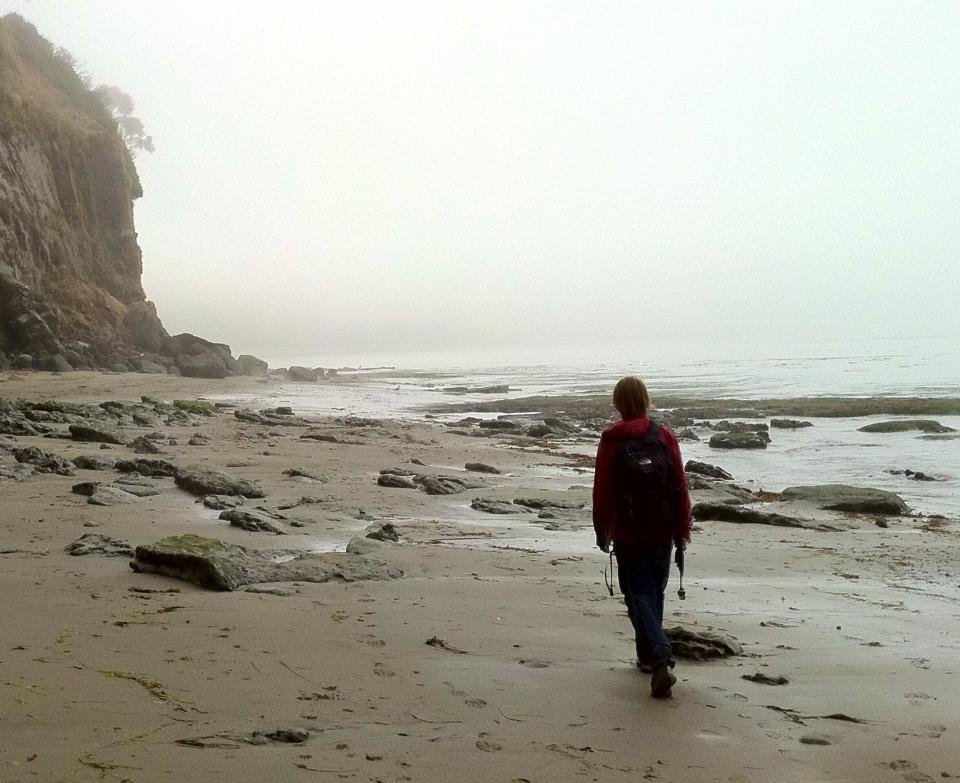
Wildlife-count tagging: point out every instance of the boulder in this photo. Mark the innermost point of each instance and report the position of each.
(841, 497)
(382, 531)
(738, 440)
(539, 503)
(221, 502)
(302, 374)
(251, 365)
(538, 431)
(907, 425)
(199, 358)
(202, 481)
(217, 565)
(440, 485)
(706, 469)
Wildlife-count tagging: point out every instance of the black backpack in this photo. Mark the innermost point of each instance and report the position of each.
(645, 482)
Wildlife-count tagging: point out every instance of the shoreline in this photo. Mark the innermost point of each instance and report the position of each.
(531, 675)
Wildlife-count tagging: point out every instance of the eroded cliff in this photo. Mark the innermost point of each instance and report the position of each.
(70, 265)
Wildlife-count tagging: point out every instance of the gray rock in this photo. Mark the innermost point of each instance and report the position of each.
(907, 425)
(302, 374)
(216, 565)
(495, 506)
(91, 432)
(538, 431)
(738, 440)
(198, 439)
(816, 739)
(93, 462)
(158, 468)
(480, 467)
(43, 461)
(110, 495)
(142, 488)
(399, 482)
(789, 424)
(724, 512)
(305, 473)
(16, 472)
(841, 497)
(251, 365)
(248, 520)
(97, 544)
(706, 469)
(539, 503)
(497, 424)
(438, 485)
(145, 445)
(221, 502)
(701, 645)
(382, 531)
(201, 480)
(361, 545)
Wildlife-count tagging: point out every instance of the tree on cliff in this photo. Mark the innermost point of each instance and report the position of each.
(120, 105)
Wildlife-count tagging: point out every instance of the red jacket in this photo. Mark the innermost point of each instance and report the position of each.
(606, 517)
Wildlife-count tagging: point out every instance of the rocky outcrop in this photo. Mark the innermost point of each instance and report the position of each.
(70, 265)
(216, 565)
(841, 497)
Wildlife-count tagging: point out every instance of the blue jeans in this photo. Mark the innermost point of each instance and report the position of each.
(643, 579)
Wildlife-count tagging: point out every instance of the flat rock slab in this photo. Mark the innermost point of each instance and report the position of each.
(738, 440)
(216, 565)
(97, 433)
(907, 425)
(706, 469)
(93, 462)
(158, 468)
(701, 645)
(248, 520)
(841, 497)
(724, 512)
(96, 544)
(203, 481)
(496, 506)
(789, 424)
(481, 467)
(110, 495)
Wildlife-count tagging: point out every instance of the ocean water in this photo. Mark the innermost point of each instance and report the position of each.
(833, 451)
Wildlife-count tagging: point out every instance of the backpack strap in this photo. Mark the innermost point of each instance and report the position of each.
(654, 430)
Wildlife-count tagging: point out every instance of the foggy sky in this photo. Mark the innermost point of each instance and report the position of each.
(335, 176)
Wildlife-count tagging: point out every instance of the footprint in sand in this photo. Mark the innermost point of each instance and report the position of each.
(369, 638)
(909, 771)
(380, 671)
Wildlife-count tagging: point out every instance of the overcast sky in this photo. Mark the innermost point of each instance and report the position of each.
(381, 175)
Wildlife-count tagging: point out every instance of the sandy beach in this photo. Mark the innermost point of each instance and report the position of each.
(497, 656)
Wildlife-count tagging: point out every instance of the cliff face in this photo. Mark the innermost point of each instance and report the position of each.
(70, 266)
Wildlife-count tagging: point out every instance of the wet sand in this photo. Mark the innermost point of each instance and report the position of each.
(535, 680)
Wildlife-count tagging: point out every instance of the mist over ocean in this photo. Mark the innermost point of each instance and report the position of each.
(832, 451)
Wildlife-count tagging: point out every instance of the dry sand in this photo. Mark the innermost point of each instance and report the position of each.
(101, 683)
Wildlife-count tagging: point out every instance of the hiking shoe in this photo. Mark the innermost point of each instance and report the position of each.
(661, 682)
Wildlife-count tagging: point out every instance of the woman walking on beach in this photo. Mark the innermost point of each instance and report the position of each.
(641, 508)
